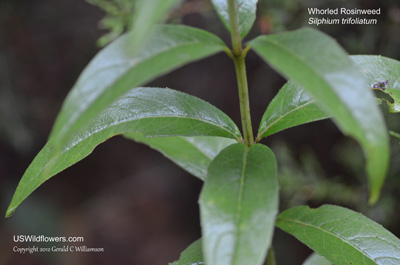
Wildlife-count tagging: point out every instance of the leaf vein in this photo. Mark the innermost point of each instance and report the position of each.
(283, 116)
(328, 232)
(239, 202)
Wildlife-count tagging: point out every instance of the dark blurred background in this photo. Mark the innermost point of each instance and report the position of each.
(130, 200)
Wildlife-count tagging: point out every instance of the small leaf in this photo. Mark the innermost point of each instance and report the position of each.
(194, 154)
(395, 95)
(341, 235)
(238, 205)
(315, 61)
(292, 106)
(246, 14)
(316, 259)
(381, 69)
(395, 134)
(151, 111)
(114, 71)
(192, 255)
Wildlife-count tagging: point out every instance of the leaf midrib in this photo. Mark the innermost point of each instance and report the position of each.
(238, 216)
(137, 62)
(328, 232)
(260, 135)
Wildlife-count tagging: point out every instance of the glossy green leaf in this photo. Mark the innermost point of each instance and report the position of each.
(317, 63)
(292, 106)
(246, 14)
(379, 69)
(151, 111)
(238, 205)
(341, 235)
(146, 14)
(192, 255)
(316, 259)
(194, 154)
(114, 71)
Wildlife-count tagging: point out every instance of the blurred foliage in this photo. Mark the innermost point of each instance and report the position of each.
(116, 20)
(13, 118)
(395, 134)
(304, 181)
(119, 15)
(383, 38)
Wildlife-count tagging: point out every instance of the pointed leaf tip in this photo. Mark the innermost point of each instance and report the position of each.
(157, 112)
(10, 212)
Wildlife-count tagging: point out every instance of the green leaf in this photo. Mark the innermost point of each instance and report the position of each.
(246, 14)
(114, 71)
(379, 69)
(238, 205)
(194, 154)
(192, 255)
(147, 13)
(317, 63)
(395, 95)
(151, 111)
(316, 259)
(341, 235)
(395, 134)
(292, 106)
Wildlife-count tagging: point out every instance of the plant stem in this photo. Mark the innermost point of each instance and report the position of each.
(238, 57)
(270, 257)
(234, 25)
(240, 68)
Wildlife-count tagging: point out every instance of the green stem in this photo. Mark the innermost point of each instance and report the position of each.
(238, 57)
(234, 25)
(270, 257)
(241, 76)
